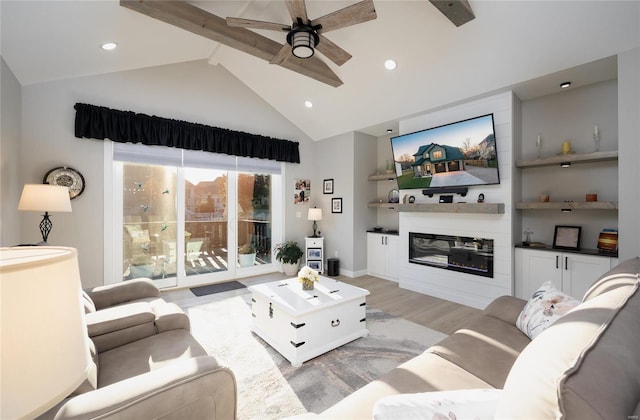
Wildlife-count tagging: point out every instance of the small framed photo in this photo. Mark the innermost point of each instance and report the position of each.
(327, 186)
(336, 205)
(567, 237)
(314, 253)
(315, 265)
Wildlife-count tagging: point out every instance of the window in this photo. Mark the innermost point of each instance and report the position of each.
(188, 217)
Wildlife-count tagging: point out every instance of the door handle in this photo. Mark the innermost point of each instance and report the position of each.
(335, 323)
(557, 256)
(566, 263)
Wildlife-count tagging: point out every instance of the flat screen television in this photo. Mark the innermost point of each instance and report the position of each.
(459, 154)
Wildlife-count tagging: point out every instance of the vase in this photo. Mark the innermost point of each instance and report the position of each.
(307, 284)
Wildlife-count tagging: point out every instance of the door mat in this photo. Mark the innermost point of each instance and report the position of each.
(217, 288)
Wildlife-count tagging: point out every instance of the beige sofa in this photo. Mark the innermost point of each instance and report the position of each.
(584, 366)
(146, 364)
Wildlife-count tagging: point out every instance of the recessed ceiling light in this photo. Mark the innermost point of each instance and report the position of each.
(108, 46)
(390, 64)
(565, 85)
(389, 130)
(308, 104)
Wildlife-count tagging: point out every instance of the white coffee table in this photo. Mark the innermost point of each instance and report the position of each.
(302, 324)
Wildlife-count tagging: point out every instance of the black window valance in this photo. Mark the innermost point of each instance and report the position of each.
(98, 122)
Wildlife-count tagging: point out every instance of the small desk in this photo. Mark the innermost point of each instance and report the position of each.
(302, 324)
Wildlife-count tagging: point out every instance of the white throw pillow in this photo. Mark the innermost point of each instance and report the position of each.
(546, 306)
(477, 404)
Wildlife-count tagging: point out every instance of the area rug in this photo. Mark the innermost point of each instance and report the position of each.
(217, 288)
(270, 388)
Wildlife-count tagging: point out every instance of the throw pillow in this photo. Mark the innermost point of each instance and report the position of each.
(440, 405)
(546, 306)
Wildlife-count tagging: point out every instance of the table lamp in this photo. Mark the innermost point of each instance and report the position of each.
(45, 354)
(46, 198)
(315, 214)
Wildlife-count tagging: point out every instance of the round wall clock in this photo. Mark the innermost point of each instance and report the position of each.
(67, 177)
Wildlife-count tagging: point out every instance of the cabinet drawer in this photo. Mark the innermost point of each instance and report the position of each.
(314, 242)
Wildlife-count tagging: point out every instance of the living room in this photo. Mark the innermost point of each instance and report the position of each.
(37, 134)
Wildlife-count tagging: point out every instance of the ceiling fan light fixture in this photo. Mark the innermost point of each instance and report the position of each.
(303, 39)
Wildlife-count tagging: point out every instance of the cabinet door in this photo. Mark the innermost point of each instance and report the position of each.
(376, 255)
(581, 271)
(393, 252)
(534, 268)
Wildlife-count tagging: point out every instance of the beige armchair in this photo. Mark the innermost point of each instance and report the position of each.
(124, 312)
(146, 364)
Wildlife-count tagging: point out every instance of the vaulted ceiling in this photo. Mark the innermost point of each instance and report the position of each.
(507, 44)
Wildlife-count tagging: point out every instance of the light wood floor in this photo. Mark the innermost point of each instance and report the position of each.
(438, 314)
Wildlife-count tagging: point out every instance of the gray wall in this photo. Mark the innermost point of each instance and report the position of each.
(208, 95)
(629, 149)
(10, 187)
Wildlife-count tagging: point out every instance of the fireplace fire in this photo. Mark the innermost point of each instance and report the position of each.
(457, 253)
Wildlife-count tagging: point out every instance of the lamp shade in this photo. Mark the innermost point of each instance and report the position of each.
(45, 197)
(45, 355)
(315, 214)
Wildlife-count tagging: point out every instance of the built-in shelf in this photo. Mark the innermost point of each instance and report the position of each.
(482, 208)
(382, 177)
(377, 205)
(573, 205)
(571, 158)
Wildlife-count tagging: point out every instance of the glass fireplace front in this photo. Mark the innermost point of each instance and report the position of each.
(457, 253)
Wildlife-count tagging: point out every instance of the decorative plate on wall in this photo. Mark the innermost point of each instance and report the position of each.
(67, 177)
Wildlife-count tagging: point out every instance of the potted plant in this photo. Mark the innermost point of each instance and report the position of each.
(247, 255)
(288, 253)
(141, 265)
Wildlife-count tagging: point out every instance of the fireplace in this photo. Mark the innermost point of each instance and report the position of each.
(457, 253)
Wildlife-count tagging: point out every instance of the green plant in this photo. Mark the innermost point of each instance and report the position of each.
(247, 249)
(288, 252)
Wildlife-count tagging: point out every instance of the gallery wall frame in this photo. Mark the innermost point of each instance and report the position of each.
(327, 186)
(336, 205)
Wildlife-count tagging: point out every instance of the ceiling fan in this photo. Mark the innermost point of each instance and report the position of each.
(235, 34)
(304, 36)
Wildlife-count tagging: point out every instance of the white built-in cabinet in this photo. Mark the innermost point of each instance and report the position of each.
(382, 255)
(571, 272)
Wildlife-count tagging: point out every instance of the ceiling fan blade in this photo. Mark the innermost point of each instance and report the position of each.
(363, 11)
(332, 51)
(297, 9)
(193, 19)
(283, 54)
(257, 24)
(458, 12)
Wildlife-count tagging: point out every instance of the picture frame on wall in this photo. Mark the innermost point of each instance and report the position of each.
(327, 186)
(567, 237)
(336, 205)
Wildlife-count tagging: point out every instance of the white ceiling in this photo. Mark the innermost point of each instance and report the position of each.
(507, 44)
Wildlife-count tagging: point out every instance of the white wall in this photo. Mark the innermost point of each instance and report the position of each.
(571, 115)
(192, 91)
(465, 288)
(629, 150)
(10, 184)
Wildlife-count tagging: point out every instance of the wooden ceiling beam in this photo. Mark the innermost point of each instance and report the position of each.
(458, 12)
(198, 21)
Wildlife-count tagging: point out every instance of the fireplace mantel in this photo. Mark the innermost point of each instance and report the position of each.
(482, 208)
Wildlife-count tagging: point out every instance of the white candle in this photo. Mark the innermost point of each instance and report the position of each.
(595, 131)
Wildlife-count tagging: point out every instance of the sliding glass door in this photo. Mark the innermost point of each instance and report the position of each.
(187, 225)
